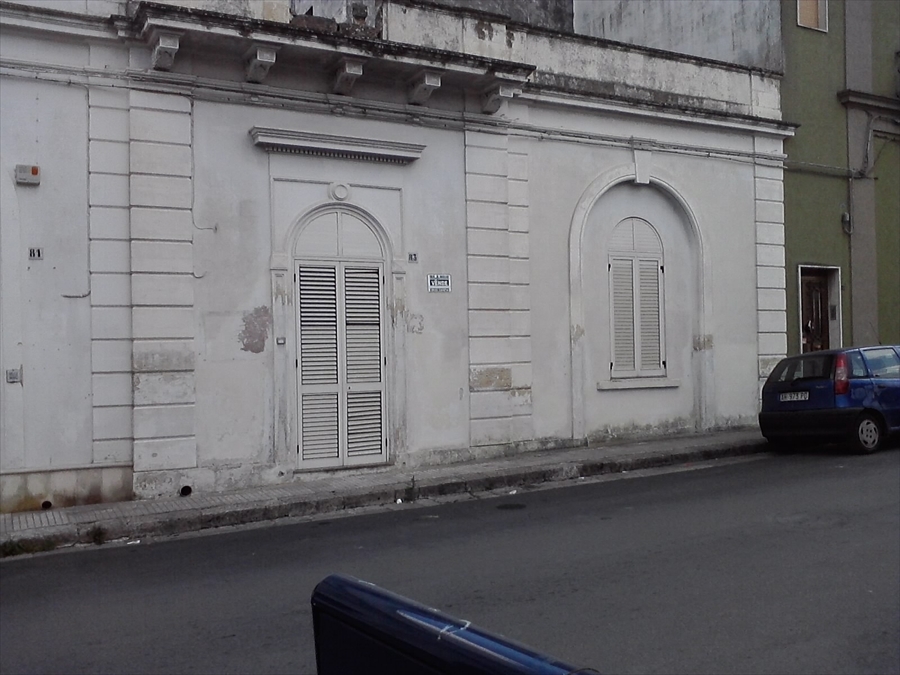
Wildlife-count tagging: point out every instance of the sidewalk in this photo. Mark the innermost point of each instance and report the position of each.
(45, 530)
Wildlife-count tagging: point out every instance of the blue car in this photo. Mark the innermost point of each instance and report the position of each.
(842, 395)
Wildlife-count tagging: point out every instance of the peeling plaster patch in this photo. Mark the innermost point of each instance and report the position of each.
(162, 360)
(577, 334)
(703, 342)
(484, 30)
(415, 323)
(767, 364)
(398, 310)
(256, 330)
(481, 379)
(282, 290)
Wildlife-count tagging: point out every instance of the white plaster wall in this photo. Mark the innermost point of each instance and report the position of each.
(422, 207)
(231, 262)
(46, 124)
(95, 7)
(238, 211)
(645, 407)
(735, 31)
(574, 61)
(269, 10)
(720, 195)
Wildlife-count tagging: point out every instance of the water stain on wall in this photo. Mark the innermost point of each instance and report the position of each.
(255, 332)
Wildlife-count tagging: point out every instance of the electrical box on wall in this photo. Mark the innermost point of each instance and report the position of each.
(28, 174)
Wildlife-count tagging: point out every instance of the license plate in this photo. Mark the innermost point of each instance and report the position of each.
(794, 396)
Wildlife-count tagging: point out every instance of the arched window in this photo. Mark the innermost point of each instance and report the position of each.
(636, 285)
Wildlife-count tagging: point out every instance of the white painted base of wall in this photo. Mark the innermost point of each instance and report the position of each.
(218, 478)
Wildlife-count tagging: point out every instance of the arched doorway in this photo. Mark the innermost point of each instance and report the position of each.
(340, 288)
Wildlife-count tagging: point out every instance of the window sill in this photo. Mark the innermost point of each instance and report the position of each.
(640, 383)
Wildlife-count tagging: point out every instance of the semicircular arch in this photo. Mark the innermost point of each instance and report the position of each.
(338, 230)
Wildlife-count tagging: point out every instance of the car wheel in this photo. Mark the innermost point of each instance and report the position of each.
(867, 434)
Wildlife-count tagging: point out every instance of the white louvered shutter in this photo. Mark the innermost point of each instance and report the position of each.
(621, 282)
(318, 364)
(364, 358)
(649, 315)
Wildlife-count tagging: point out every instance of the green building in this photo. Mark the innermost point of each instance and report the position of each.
(842, 180)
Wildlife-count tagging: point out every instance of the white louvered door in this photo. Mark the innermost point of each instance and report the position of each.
(364, 360)
(320, 427)
(341, 365)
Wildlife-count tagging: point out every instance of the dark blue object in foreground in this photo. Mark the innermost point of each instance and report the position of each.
(360, 628)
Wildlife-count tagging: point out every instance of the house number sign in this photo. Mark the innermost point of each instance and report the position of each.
(438, 283)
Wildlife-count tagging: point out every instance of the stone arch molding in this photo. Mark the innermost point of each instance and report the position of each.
(627, 173)
(285, 253)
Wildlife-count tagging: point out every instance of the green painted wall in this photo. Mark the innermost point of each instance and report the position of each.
(886, 43)
(887, 215)
(815, 197)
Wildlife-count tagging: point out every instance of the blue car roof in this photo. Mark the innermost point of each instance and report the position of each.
(841, 350)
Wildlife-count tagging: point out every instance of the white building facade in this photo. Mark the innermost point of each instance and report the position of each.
(235, 249)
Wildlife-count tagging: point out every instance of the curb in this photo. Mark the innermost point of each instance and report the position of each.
(585, 469)
(195, 520)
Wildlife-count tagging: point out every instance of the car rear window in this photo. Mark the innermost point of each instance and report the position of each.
(857, 365)
(813, 366)
(883, 362)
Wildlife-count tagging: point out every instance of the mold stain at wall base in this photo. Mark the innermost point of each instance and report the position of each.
(255, 332)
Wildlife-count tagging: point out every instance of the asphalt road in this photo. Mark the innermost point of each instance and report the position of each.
(779, 565)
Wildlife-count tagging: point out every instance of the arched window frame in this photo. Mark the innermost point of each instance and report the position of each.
(636, 301)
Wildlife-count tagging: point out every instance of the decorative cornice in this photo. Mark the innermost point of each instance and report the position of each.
(340, 147)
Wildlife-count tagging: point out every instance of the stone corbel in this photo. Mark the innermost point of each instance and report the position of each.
(495, 95)
(643, 160)
(345, 76)
(421, 87)
(163, 57)
(259, 59)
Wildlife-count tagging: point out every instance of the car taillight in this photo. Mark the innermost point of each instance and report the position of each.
(841, 375)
